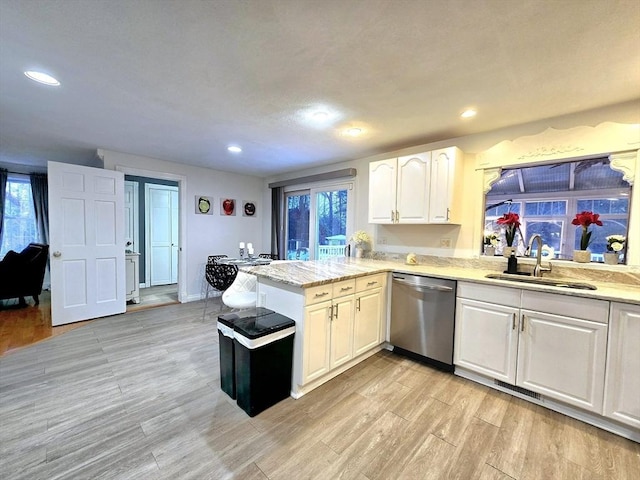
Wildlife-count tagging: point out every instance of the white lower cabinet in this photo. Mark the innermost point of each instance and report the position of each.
(486, 339)
(341, 331)
(369, 314)
(541, 350)
(342, 320)
(622, 388)
(562, 358)
(317, 340)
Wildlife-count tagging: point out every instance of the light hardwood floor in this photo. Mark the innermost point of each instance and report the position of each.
(21, 327)
(136, 396)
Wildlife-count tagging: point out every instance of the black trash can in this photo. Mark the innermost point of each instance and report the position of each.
(225, 343)
(264, 355)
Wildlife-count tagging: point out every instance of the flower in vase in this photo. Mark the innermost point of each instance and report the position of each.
(511, 222)
(490, 238)
(361, 238)
(585, 220)
(615, 243)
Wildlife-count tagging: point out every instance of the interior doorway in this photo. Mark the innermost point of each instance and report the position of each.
(173, 232)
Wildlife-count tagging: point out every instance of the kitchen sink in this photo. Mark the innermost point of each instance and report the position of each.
(541, 281)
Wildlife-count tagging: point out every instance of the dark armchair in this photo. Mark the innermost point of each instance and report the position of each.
(21, 274)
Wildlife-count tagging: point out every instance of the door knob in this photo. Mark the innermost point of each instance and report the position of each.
(57, 254)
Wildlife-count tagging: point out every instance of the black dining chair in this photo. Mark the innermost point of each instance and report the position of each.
(214, 258)
(219, 277)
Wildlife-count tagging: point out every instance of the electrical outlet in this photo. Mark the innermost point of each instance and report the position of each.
(382, 240)
(445, 243)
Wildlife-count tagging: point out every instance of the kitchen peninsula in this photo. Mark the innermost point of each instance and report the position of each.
(340, 308)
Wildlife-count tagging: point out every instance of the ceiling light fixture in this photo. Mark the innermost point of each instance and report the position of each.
(468, 113)
(234, 149)
(320, 116)
(354, 131)
(42, 77)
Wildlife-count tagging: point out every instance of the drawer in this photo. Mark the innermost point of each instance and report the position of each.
(318, 294)
(346, 287)
(566, 305)
(370, 282)
(490, 294)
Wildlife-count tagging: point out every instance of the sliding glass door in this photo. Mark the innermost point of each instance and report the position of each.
(297, 222)
(318, 220)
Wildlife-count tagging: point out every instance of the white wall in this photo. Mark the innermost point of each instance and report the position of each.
(205, 234)
(425, 239)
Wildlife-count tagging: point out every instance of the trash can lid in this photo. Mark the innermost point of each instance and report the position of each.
(229, 319)
(261, 326)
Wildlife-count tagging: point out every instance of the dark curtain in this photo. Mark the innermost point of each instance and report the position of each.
(277, 215)
(3, 193)
(40, 193)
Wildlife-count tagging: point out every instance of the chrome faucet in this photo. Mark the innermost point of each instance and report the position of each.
(538, 269)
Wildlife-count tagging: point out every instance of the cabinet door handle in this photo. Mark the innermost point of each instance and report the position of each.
(336, 314)
(358, 304)
(392, 216)
(522, 324)
(448, 214)
(330, 312)
(397, 216)
(513, 321)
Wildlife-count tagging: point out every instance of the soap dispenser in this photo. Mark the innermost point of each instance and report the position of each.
(512, 263)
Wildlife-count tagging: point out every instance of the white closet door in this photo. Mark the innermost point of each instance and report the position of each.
(161, 225)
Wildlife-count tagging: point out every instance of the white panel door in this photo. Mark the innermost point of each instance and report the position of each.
(86, 225)
(413, 188)
(622, 390)
(486, 339)
(162, 233)
(382, 191)
(563, 358)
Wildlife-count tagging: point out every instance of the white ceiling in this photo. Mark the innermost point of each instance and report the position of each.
(181, 80)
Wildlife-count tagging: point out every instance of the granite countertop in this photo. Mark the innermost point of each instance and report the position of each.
(305, 274)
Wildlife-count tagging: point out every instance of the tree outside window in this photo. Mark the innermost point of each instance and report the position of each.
(19, 220)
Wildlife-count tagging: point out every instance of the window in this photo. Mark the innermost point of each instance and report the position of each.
(547, 198)
(19, 221)
(317, 221)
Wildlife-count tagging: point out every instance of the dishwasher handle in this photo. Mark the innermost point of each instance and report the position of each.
(439, 288)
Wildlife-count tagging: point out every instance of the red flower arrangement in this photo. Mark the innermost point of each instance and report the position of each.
(511, 222)
(585, 220)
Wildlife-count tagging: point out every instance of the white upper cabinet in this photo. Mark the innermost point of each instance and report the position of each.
(382, 191)
(415, 188)
(444, 191)
(412, 194)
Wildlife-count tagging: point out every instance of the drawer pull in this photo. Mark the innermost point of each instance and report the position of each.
(345, 289)
(321, 294)
(371, 283)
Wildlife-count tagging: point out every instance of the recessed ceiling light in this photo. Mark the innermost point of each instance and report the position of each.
(42, 77)
(468, 113)
(354, 131)
(320, 116)
(234, 149)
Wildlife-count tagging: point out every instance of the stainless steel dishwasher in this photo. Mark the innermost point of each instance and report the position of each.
(422, 318)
